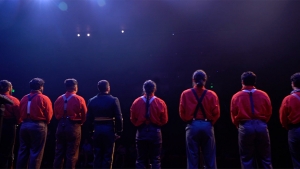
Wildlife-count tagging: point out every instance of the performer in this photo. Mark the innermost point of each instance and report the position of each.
(250, 111)
(148, 113)
(105, 114)
(10, 117)
(290, 119)
(200, 108)
(70, 109)
(36, 112)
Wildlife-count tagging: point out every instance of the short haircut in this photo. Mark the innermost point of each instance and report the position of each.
(248, 78)
(295, 78)
(4, 86)
(149, 87)
(70, 84)
(103, 85)
(199, 77)
(36, 83)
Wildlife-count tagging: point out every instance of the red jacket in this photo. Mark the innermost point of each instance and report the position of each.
(158, 112)
(289, 112)
(188, 104)
(76, 107)
(12, 111)
(40, 107)
(241, 106)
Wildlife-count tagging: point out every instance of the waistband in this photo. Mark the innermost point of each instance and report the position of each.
(104, 119)
(292, 126)
(242, 122)
(71, 121)
(33, 121)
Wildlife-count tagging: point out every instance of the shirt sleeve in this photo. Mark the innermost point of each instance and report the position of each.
(233, 111)
(48, 109)
(269, 109)
(215, 109)
(283, 113)
(83, 110)
(164, 117)
(118, 116)
(182, 109)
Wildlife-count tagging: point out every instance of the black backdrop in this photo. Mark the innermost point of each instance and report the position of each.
(163, 40)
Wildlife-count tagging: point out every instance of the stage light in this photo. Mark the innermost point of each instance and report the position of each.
(173, 34)
(122, 31)
(13, 90)
(63, 6)
(211, 85)
(88, 34)
(78, 34)
(101, 2)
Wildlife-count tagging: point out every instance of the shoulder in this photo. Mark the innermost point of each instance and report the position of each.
(212, 93)
(44, 97)
(237, 94)
(186, 92)
(14, 99)
(93, 98)
(79, 97)
(262, 93)
(159, 100)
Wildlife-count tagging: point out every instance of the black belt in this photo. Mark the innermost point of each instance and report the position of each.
(291, 126)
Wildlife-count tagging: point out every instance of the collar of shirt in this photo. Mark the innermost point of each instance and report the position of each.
(6, 93)
(69, 93)
(35, 91)
(103, 93)
(248, 87)
(199, 88)
(151, 95)
(296, 90)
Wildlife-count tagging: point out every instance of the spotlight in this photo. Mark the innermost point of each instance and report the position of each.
(88, 34)
(78, 34)
(122, 31)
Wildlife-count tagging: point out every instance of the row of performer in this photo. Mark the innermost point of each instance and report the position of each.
(250, 111)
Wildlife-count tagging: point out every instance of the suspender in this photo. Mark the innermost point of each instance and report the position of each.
(199, 105)
(251, 98)
(296, 96)
(150, 101)
(66, 102)
(29, 102)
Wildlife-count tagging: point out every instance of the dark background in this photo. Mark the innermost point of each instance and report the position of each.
(163, 40)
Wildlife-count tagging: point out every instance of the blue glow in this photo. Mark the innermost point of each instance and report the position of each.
(101, 2)
(63, 6)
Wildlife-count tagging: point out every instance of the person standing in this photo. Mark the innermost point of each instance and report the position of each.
(104, 113)
(289, 115)
(70, 110)
(200, 109)
(36, 112)
(250, 111)
(11, 117)
(148, 113)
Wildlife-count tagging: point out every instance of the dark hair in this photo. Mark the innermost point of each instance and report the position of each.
(70, 84)
(248, 78)
(4, 86)
(36, 83)
(199, 77)
(149, 87)
(103, 85)
(295, 78)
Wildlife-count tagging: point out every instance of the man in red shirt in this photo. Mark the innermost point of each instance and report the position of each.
(36, 112)
(70, 109)
(200, 108)
(250, 111)
(11, 117)
(148, 113)
(289, 115)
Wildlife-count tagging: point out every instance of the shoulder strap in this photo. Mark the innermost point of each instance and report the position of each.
(295, 95)
(145, 99)
(147, 108)
(199, 105)
(66, 100)
(251, 98)
(29, 102)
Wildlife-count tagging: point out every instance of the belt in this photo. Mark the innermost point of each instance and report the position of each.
(202, 119)
(104, 118)
(291, 126)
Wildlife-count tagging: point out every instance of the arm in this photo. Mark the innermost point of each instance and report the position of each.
(269, 109)
(48, 109)
(83, 110)
(118, 117)
(164, 117)
(233, 111)
(215, 109)
(182, 104)
(283, 113)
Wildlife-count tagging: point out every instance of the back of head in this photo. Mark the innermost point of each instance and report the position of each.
(295, 79)
(248, 78)
(199, 78)
(103, 86)
(149, 87)
(5, 85)
(71, 84)
(36, 83)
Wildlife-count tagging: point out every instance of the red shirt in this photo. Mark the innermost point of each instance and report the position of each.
(40, 107)
(12, 111)
(158, 112)
(188, 104)
(76, 107)
(289, 112)
(241, 106)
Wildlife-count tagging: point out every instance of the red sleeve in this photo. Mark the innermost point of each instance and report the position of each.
(48, 109)
(16, 110)
(164, 117)
(269, 109)
(215, 108)
(83, 110)
(284, 112)
(182, 107)
(233, 111)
